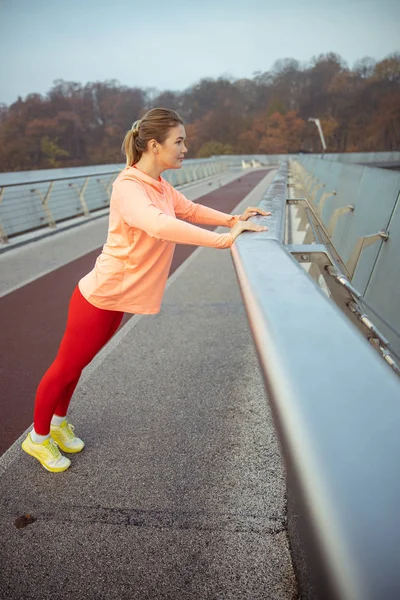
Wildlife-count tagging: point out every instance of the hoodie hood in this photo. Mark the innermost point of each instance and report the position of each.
(136, 174)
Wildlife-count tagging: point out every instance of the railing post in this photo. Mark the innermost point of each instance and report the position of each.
(107, 186)
(81, 195)
(44, 199)
(362, 243)
(3, 235)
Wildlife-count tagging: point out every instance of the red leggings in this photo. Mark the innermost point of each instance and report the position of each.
(88, 329)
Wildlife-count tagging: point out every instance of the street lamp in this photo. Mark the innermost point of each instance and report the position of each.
(321, 135)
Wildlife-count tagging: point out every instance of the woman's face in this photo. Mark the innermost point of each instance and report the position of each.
(172, 152)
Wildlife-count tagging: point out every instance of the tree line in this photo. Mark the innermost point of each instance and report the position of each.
(75, 124)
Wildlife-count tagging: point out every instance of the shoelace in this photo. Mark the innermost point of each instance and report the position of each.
(53, 448)
(70, 430)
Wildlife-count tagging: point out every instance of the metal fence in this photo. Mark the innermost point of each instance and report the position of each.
(28, 203)
(337, 410)
(31, 200)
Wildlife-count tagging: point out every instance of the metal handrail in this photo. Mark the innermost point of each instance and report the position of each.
(49, 180)
(336, 406)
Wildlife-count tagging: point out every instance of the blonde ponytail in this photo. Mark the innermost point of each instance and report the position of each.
(131, 146)
(155, 124)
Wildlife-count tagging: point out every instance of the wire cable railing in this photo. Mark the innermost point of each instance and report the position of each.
(39, 203)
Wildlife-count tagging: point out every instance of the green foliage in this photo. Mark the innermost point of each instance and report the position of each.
(52, 151)
(276, 106)
(214, 149)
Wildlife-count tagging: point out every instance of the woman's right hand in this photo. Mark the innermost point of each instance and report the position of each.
(246, 226)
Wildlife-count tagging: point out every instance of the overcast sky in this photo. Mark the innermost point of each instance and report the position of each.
(171, 44)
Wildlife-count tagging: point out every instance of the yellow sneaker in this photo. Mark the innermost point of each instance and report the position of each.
(64, 436)
(47, 454)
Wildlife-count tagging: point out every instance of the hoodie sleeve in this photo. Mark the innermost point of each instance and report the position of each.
(198, 213)
(137, 210)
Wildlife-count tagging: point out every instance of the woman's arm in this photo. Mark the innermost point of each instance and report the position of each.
(198, 213)
(136, 208)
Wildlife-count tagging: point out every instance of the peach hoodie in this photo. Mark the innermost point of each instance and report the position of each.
(131, 272)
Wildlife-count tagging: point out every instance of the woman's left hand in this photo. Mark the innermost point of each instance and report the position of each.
(252, 212)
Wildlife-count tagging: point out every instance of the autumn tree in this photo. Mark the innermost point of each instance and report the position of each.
(75, 124)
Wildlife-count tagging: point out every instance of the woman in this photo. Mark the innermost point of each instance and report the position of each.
(147, 217)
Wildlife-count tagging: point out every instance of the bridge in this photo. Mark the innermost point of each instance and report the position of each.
(244, 442)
